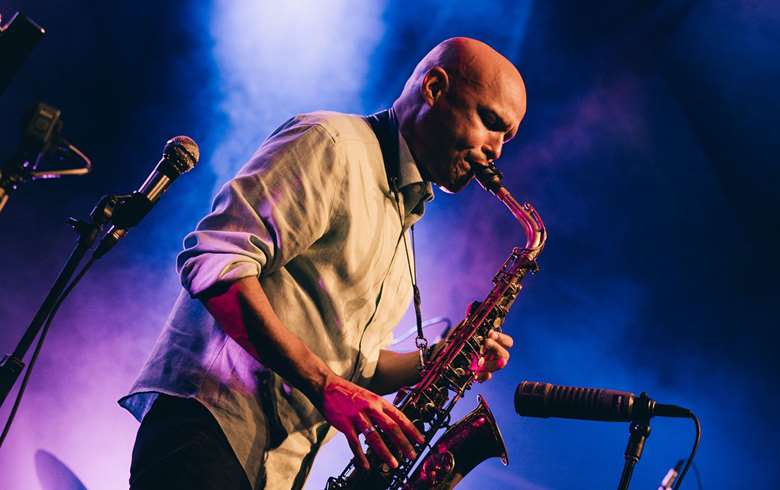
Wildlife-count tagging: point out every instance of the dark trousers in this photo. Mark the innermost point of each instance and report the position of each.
(180, 446)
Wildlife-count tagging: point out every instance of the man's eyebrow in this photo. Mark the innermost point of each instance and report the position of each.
(500, 121)
(503, 122)
(504, 125)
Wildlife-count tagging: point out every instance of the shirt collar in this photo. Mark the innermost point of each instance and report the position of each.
(409, 177)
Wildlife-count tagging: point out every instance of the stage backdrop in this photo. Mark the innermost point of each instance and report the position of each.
(649, 148)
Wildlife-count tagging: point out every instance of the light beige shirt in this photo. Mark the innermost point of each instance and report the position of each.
(313, 216)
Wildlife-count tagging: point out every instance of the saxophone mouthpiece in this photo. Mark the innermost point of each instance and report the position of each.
(489, 177)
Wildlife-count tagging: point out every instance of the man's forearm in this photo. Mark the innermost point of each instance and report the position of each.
(244, 312)
(394, 370)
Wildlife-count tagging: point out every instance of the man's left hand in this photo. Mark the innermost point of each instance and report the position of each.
(495, 355)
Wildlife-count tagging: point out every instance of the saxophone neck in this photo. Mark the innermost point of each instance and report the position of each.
(489, 177)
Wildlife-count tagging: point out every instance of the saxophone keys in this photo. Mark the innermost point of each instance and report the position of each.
(472, 308)
(401, 394)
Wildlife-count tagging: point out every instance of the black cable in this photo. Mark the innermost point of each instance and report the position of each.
(426, 324)
(693, 451)
(37, 350)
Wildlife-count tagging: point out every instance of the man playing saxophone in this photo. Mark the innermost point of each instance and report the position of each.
(295, 280)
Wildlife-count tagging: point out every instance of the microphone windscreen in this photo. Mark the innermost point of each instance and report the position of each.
(182, 153)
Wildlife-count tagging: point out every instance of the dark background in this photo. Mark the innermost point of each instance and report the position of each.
(650, 149)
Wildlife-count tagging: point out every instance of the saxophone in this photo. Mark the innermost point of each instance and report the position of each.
(451, 372)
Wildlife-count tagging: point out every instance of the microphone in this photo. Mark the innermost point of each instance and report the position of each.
(534, 399)
(180, 155)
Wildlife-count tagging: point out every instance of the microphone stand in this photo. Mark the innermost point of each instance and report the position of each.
(12, 365)
(639, 431)
(41, 140)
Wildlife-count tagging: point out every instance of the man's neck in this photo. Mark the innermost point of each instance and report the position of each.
(406, 114)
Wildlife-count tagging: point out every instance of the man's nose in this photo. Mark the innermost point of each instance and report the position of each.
(492, 149)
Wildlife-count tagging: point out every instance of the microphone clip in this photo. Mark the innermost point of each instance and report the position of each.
(122, 211)
(110, 209)
(639, 431)
(128, 210)
(119, 212)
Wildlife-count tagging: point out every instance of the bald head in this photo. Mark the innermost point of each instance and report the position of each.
(468, 61)
(463, 101)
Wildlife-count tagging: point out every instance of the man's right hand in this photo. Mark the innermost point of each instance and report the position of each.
(244, 312)
(354, 410)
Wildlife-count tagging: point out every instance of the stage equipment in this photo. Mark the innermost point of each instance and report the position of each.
(179, 157)
(534, 399)
(671, 476)
(120, 213)
(17, 39)
(41, 145)
(53, 474)
(450, 372)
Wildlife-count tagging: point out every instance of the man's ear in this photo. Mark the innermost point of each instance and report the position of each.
(435, 83)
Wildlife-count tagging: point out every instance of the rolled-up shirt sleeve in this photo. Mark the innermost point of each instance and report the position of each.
(278, 204)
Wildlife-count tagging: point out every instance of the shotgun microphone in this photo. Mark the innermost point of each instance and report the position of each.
(534, 399)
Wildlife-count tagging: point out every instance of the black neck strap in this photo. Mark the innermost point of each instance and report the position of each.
(385, 127)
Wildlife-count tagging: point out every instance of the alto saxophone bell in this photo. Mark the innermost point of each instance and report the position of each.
(473, 439)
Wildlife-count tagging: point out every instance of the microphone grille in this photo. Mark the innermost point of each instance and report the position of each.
(182, 153)
(531, 399)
